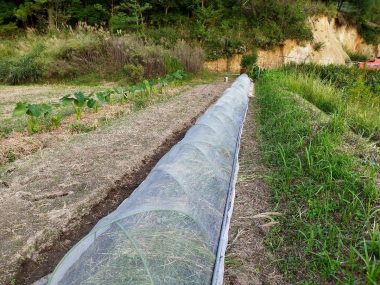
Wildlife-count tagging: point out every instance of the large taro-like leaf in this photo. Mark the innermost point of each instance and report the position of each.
(91, 103)
(67, 99)
(34, 110)
(119, 90)
(20, 109)
(80, 99)
(104, 96)
(45, 109)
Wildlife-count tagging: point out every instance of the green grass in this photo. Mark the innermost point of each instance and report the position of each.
(329, 230)
(358, 98)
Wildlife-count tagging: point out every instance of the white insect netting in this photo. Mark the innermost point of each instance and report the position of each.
(168, 230)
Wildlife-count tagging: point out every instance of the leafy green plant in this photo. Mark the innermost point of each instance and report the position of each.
(104, 96)
(34, 112)
(56, 120)
(248, 60)
(93, 104)
(134, 72)
(79, 101)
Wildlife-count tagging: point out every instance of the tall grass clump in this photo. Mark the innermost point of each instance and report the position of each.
(22, 69)
(354, 92)
(329, 231)
(191, 58)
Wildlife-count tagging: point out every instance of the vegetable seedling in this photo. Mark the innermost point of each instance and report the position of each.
(78, 101)
(34, 112)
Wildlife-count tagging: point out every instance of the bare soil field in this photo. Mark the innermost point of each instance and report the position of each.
(10, 95)
(50, 199)
(15, 142)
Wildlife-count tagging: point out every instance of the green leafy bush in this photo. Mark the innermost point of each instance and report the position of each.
(248, 60)
(134, 72)
(249, 66)
(25, 68)
(121, 21)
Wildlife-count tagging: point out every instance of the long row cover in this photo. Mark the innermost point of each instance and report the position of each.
(172, 229)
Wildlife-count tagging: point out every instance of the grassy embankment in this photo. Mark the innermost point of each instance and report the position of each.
(329, 230)
(358, 99)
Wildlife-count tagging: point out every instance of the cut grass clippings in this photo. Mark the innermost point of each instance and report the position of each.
(329, 231)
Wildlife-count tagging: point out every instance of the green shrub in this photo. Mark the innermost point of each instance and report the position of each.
(249, 66)
(8, 29)
(26, 68)
(370, 34)
(121, 21)
(172, 64)
(135, 73)
(248, 60)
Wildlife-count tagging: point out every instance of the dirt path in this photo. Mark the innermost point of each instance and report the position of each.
(248, 261)
(50, 199)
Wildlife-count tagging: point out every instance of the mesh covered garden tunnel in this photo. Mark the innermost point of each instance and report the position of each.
(173, 228)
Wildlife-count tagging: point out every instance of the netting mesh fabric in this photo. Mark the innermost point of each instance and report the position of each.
(168, 230)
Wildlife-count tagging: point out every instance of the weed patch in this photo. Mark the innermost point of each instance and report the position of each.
(353, 92)
(329, 230)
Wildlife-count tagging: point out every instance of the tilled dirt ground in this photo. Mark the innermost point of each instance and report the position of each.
(19, 143)
(50, 199)
(248, 261)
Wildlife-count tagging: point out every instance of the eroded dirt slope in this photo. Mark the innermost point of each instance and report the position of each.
(50, 199)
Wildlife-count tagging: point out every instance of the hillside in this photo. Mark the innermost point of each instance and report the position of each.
(333, 43)
(61, 40)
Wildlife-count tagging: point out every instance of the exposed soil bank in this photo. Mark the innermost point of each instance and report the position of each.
(49, 200)
(333, 37)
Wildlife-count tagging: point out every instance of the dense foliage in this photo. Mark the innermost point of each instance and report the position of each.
(222, 27)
